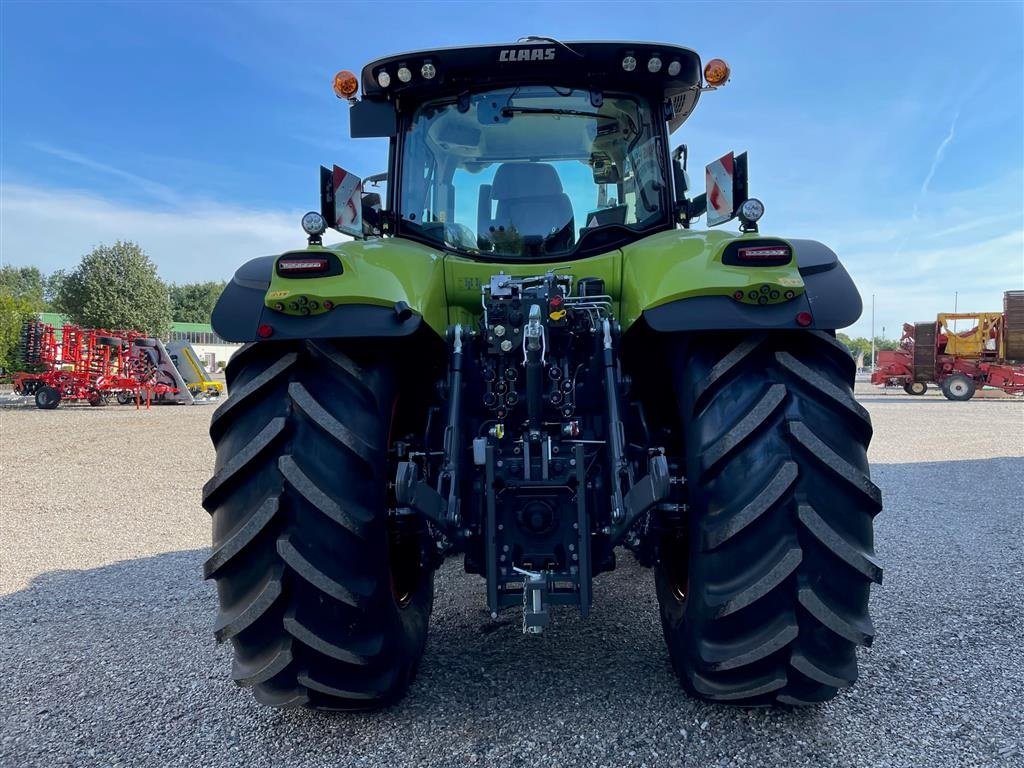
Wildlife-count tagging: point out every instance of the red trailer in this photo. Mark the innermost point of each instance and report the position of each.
(989, 353)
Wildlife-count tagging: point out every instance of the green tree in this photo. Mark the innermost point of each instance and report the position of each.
(25, 283)
(193, 302)
(14, 310)
(858, 346)
(52, 285)
(116, 286)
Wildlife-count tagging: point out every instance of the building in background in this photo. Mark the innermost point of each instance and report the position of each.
(210, 347)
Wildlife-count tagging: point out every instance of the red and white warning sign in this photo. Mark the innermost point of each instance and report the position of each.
(348, 202)
(719, 179)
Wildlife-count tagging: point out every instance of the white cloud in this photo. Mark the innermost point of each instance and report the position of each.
(923, 281)
(937, 158)
(53, 229)
(152, 188)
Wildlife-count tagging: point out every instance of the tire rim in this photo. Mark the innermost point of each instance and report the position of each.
(917, 388)
(958, 387)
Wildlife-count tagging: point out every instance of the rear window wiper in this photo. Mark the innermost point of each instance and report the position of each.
(509, 111)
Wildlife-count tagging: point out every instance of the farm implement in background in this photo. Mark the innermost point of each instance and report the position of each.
(95, 365)
(990, 353)
(192, 370)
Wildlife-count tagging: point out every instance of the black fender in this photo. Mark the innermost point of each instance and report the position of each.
(830, 297)
(241, 311)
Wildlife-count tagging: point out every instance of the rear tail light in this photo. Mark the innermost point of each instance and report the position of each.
(804, 319)
(757, 254)
(293, 266)
(763, 253)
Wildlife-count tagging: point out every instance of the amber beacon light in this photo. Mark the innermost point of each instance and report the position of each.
(345, 84)
(716, 72)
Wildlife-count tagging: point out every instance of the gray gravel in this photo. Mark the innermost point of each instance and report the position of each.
(108, 656)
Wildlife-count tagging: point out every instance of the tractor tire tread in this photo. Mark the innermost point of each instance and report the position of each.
(781, 555)
(299, 557)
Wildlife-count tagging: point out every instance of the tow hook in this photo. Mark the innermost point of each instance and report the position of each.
(535, 611)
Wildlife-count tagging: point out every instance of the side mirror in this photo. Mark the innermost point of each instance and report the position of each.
(373, 218)
(341, 201)
(726, 183)
(679, 175)
(686, 208)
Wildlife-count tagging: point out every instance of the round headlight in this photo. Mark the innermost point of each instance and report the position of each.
(404, 74)
(428, 71)
(674, 68)
(383, 79)
(629, 63)
(751, 210)
(313, 224)
(654, 64)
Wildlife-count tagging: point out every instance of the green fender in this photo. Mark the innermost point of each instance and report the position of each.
(677, 281)
(376, 288)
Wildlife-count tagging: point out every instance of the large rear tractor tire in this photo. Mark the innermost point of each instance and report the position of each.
(325, 600)
(764, 593)
(958, 387)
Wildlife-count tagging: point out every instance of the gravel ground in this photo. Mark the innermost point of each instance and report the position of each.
(108, 656)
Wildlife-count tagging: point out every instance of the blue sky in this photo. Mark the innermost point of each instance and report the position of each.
(893, 132)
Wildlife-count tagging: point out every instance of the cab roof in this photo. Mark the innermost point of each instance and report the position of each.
(660, 70)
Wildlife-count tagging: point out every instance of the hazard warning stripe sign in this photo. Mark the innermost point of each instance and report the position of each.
(719, 180)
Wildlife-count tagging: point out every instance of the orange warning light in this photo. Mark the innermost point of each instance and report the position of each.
(345, 85)
(716, 72)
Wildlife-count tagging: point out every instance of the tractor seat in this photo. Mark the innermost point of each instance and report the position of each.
(529, 200)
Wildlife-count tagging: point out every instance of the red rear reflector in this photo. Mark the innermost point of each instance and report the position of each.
(763, 253)
(265, 331)
(302, 265)
(804, 319)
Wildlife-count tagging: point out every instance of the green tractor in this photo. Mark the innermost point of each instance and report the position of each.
(526, 357)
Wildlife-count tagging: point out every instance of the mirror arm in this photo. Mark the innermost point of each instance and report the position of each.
(698, 206)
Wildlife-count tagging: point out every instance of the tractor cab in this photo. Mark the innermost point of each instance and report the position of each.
(536, 151)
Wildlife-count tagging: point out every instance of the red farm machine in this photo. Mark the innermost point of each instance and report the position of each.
(94, 365)
(989, 353)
